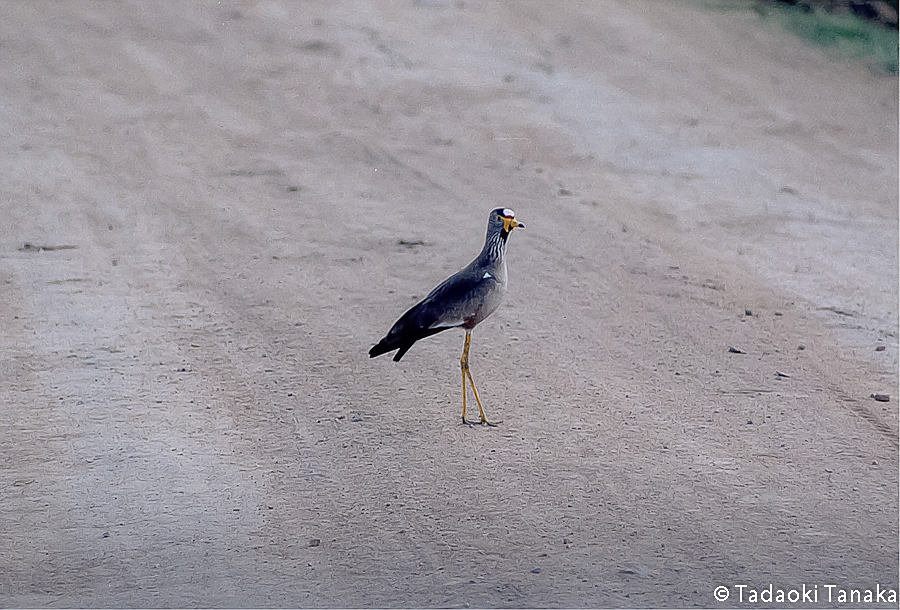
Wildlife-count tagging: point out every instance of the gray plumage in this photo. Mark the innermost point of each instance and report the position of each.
(464, 299)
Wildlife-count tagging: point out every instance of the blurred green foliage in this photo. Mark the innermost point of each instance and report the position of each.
(843, 34)
(840, 33)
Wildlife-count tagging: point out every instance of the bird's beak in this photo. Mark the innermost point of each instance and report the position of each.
(511, 223)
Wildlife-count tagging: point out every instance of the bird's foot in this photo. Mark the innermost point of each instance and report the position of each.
(483, 422)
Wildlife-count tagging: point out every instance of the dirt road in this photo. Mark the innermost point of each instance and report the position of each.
(227, 204)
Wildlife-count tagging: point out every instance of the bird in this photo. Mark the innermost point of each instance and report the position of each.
(463, 300)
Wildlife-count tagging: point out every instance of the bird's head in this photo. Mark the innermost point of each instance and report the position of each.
(508, 218)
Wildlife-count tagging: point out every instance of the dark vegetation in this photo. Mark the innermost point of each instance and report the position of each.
(883, 12)
(864, 31)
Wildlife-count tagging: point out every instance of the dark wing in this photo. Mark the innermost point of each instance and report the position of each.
(447, 306)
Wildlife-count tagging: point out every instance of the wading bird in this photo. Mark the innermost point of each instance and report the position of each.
(463, 300)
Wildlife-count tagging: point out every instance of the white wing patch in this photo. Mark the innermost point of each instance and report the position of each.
(448, 324)
(487, 275)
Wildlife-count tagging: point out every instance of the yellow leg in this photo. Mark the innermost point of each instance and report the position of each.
(466, 374)
(463, 364)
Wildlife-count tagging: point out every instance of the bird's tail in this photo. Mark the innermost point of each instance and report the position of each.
(381, 347)
(401, 341)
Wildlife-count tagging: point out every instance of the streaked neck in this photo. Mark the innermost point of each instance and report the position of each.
(494, 247)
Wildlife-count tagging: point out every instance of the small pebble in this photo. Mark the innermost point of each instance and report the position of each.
(881, 397)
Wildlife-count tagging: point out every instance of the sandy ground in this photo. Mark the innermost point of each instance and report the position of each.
(188, 413)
